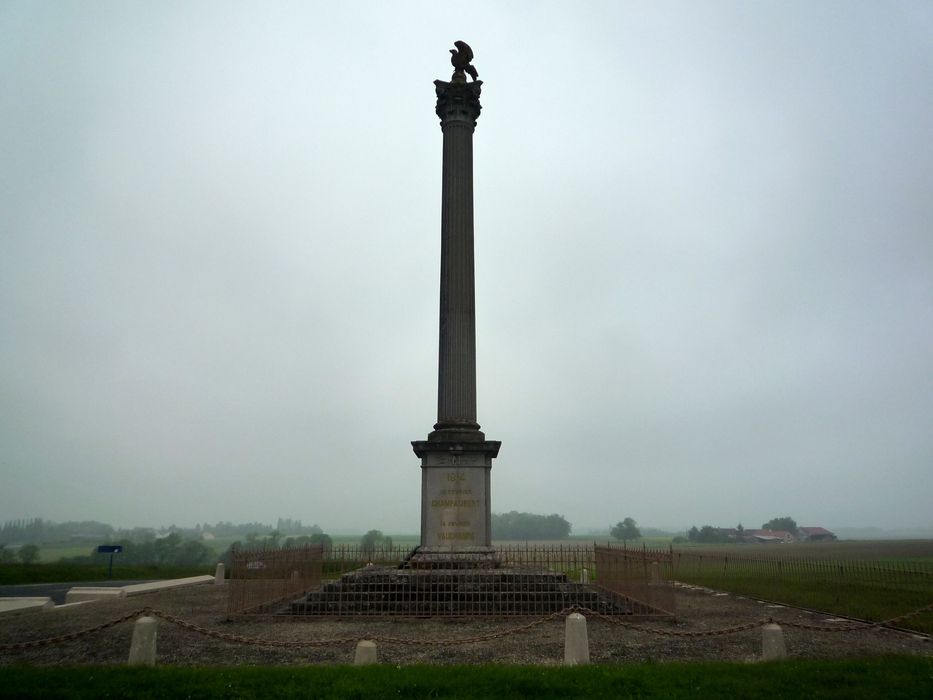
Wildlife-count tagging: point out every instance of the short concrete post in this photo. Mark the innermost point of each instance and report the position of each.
(365, 653)
(584, 576)
(772, 643)
(576, 641)
(219, 574)
(143, 645)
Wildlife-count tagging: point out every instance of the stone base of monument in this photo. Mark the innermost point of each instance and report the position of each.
(435, 592)
(446, 558)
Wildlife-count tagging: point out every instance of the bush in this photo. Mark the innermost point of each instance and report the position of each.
(29, 554)
(529, 526)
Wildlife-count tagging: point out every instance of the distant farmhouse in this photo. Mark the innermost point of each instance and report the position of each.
(769, 536)
(804, 534)
(814, 534)
(733, 534)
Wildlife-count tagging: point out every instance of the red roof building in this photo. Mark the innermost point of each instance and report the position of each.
(815, 534)
(769, 536)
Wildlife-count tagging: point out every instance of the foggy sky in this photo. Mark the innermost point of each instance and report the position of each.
(704, 259)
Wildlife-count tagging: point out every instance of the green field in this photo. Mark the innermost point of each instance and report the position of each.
(49, 553)
(892, 678)
(862, 550)
(865, 580)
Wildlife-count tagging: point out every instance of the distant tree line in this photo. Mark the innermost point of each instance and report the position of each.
(39, 531)
(274, 540)
(171, 550)
(717, 535)
(529, 526)
(712, 535)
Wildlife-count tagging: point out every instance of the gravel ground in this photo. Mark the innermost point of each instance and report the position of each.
(698, 609)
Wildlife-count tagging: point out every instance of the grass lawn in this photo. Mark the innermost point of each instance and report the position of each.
(869, 600)
(890, 678)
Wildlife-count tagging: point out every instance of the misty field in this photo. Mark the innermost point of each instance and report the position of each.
(865, 550)
(865, 580)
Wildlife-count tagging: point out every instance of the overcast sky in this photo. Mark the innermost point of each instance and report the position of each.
(704, 259)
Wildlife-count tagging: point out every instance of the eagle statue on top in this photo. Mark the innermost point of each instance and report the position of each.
(460, 59)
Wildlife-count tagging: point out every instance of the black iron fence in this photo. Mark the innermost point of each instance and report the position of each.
(644, 575)
(350, 581)
(264, 579)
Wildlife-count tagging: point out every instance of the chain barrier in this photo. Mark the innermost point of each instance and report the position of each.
(258, 641)
(37, 643)
(469, 640)
(242, 639)
(857, 626)
(586, 612)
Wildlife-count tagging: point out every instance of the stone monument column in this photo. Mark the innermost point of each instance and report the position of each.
(456, 458)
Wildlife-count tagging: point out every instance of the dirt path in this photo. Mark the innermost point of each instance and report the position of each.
(698, 610)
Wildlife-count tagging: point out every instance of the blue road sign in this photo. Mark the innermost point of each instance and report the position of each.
(110, 549)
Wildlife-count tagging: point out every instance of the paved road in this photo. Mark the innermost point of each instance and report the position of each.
(56, 591)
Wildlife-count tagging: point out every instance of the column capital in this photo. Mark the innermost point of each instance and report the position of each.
(458, 102)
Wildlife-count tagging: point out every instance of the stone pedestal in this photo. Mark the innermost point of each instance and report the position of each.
(456, 458)
(455, 502)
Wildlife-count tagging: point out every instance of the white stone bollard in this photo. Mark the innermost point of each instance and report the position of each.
(365, 653)
(772, 643)
(576, 641)
(584, 576)
(143, 646)
(219, 574)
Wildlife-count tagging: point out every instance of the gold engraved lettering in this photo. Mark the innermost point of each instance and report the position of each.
(456, 535)
(455, 503)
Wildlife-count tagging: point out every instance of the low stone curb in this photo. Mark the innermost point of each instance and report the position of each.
(80, 594)
(11, 606)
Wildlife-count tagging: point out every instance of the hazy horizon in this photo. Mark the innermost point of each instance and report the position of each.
(842, 531)
(704, 260)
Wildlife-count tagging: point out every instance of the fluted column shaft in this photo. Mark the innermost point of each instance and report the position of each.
(458, 108)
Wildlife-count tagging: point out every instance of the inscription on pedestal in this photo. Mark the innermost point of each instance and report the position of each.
(455, 501)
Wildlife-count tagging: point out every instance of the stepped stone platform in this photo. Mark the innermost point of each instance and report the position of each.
(378, 590)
